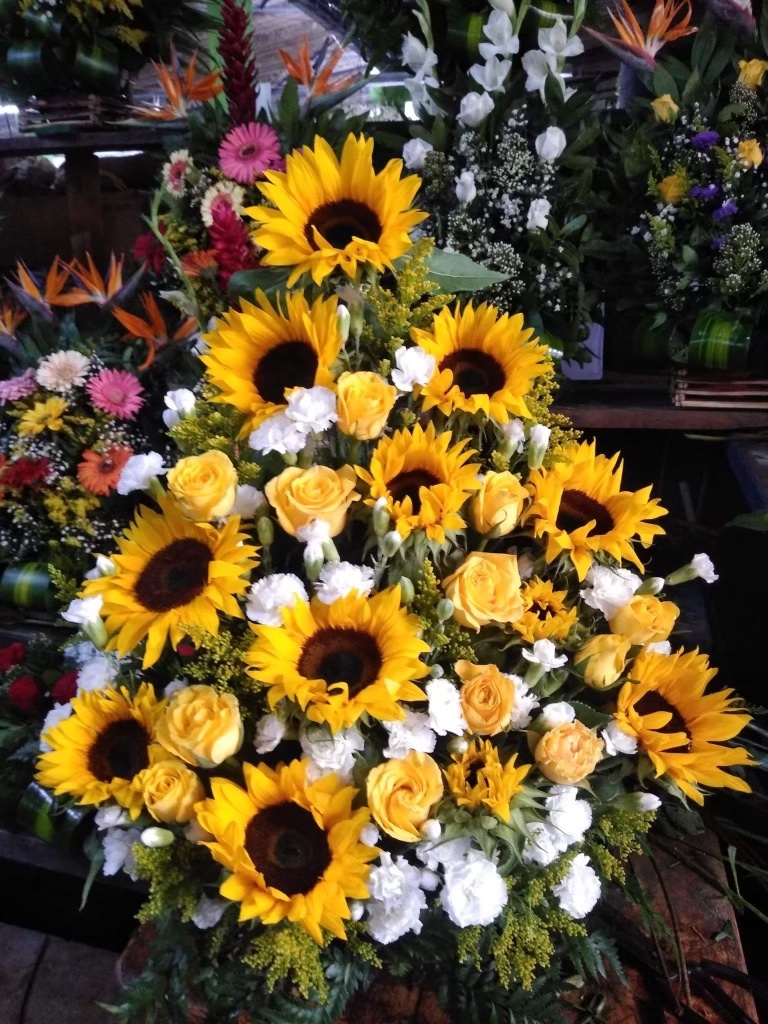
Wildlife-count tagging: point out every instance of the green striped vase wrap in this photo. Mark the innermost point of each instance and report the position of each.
(719, 341)
(27, 585)
(637, 349)
(548, 11)
(465, 33)
(39, 813)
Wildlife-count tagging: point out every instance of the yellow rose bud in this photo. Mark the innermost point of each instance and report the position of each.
(605, 656)
(402, 792)
(750, 153)
(204, 485)
(364, 401)
(201, 726)
(752, 72)
(300, 496)
(485, 589)
(171, 791)
(645, 619)
(672, 188)
(665, 109)
(487, 697)
(568, 753)
(496, 507)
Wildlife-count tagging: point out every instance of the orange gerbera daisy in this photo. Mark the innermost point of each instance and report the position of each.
(195, 264)
(100, 471)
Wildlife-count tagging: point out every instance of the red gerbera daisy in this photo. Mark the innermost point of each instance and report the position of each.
(25, 473)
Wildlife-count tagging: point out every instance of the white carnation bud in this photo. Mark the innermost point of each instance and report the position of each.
(391, 543)
(538, 443)
(432, 829)
(155, 838)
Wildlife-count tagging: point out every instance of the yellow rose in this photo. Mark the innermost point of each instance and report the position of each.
(484, 589)
(364, 401)
(645, 619)
(750, 153)
(605, 657)
(300, 496)
(665, 109)
(171, 791)
(568, 753)
(496, 507)
(402, 792)
(672, 188)
(487, 697)
(204, 485)
(201, 726)
(752, 72)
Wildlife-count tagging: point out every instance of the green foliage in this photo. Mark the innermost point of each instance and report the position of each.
(287, 951)
(592, 954)
(219, 659)
(174, 874)
(447, 637)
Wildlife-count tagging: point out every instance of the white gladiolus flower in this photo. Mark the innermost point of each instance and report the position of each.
(445, 712)
(415, 153)
(550, 144)
(270, 732)
(617, 741)
(538, 66)
(538, 214)
(248, 501)
(608, 590)
(330, 752)
(507, 6)
(82, 611)
(278, 433)
(61, 371)
(474, 108)
(267, 598)
(139, 472)
(580, 890)
(474, 892)
(502, 42)
(556, 714)
(337, 579)
(413, 733)
(178, 404)
(413, 366)
(465, 187)
(491, 75)
(209, 912)
(544, 653)
(313, 410)
(555, 41)
(419, 58)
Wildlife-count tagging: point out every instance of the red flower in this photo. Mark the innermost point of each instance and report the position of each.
(11, 655)
(231, 243)
(65, 688)
(185, 650)
(235, 46)
(25, 473)
(24, 693)
(149, 249)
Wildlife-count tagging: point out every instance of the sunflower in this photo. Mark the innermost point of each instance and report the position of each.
(329, 213)
(679, 727)
(255, 356)
(338, 661)
(293, 848)
(99, 472)
(485, 362)
(423, 480)
(171, 574)
(545, 616)
(100, 752)
(477, 778)
(578, 505)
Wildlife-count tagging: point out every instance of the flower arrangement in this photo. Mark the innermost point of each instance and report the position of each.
(71, 411)
(393, 694)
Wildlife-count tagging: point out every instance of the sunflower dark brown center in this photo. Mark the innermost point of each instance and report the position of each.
(120, 751)
(341, 656)
(290, 365)
(174, 576)
(474, 372)
(288, 848)
(409, 484)
(652, 702)
(577, 509)
(473, 772)
(342, 221)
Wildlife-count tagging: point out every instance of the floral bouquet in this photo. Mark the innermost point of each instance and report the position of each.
(394, 698)
(72, 414)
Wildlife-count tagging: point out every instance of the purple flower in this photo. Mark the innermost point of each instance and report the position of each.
(717, 243)
(728, 209)
(704, 140)
(703, 191)
(14, 388)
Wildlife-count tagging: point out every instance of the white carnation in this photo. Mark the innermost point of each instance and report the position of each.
(279, 434)
(337, 579)
(413, 733)
(525, 702)
(556, 714)
(397, 899)
(544, 653)
(514, 432)
(617, 741)
(445, 711)
(659, 647)
(110, 817)
(474, 892)
(139, 472)
(313, 410)
(174, 686)
(270, 731)
(117, 844)
(178, 403)
(248, 501)
(412, 366)
(704, 568)
(82, 611)
(568, 814)
(97, 673)
(434, 855)
(209, 912)
(329, 752)
(267, 597)
(545, 844)
(579, 891)
(608, 590)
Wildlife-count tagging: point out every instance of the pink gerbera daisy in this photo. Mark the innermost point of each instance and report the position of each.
(116, 392)
(249, 150)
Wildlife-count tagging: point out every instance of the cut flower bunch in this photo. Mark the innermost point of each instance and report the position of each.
(393, 690)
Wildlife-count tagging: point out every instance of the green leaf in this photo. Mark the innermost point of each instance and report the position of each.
(589, 716)
(288, 108)
(751, 521)
(454, 272)
(573, 225)
(244, 283)
(692, 88)
(95, 852)
(764, 27)
(705, 43)
(664, 83)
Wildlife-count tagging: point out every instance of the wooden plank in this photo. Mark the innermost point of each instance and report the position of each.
(70, 980)
(21, 952)
(650, 416)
